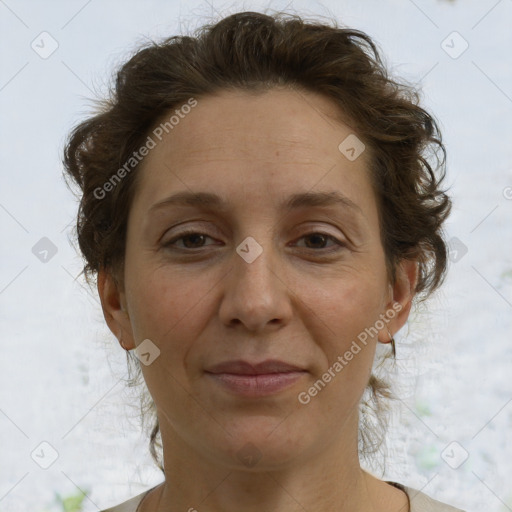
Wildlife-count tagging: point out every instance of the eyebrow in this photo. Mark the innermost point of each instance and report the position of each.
(294, 202)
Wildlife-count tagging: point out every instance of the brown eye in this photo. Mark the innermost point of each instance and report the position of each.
(316, 241)
(191, 240)
(320, 239)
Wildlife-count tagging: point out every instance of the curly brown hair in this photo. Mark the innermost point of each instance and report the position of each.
(256, 52)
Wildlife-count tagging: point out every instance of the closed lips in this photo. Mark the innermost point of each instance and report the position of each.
(240, 367)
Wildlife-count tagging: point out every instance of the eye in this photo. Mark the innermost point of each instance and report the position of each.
(194, 236)
(319, 238)
(195, 240)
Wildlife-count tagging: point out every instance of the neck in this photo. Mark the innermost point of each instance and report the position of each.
(332, 479)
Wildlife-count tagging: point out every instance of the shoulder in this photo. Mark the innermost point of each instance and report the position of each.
(129, 505)
(420, 502)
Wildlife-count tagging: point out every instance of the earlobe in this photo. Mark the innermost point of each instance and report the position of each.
(114, 309)
(404, 290)
(402, 293)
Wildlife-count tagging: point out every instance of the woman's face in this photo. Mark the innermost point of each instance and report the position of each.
(275, 272)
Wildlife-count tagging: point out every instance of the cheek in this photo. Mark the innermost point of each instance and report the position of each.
(165, 305)
(349, 304)
(167, 308)
(340, 322)
(345, 349)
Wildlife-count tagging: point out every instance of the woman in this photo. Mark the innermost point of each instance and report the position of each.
(260, 209)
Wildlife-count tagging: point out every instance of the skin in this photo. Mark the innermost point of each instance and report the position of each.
(299, 301)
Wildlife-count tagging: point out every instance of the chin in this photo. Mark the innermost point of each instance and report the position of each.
(262, 443)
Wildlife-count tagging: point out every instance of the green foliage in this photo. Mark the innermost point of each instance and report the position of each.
(72, 502)
(507, 504)
(428, 457)
(506, 274)
(422, 408)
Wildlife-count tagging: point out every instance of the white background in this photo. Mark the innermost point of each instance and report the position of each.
(59, 380)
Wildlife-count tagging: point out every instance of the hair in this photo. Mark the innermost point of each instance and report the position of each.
(256, 52)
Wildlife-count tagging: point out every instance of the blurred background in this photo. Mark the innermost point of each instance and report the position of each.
(70, 434)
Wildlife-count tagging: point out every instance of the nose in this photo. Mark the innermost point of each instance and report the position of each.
(256, 294)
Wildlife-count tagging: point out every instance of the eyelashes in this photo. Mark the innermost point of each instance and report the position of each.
(195, 235)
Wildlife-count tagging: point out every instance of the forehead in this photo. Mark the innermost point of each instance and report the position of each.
(293, 121)
(277, 140)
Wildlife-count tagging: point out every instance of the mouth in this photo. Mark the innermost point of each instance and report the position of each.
(255, 379)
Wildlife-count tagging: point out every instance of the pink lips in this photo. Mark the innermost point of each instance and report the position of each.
(255, 379)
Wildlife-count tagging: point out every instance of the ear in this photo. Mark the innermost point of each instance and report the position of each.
(402, 293)
(113, 303)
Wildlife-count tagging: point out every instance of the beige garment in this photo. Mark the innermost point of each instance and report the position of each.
(420, 502)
